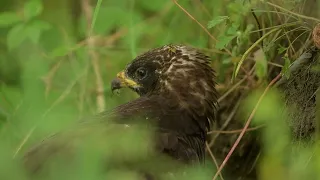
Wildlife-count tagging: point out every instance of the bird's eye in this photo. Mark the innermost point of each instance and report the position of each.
(141, 73)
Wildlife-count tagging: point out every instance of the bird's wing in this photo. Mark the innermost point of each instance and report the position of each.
(174, 129)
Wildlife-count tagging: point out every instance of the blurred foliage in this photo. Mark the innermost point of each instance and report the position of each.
(47, 81)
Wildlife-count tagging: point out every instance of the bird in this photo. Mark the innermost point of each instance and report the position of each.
(177, 98)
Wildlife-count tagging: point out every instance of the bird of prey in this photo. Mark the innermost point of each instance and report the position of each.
(176, 85)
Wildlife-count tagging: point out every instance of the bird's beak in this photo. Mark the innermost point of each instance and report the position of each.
(122, 81)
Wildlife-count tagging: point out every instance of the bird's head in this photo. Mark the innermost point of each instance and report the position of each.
(177, 72)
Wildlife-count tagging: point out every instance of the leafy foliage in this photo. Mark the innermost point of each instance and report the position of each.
(29, 28)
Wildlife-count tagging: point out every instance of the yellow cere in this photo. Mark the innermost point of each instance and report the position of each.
(126, 82)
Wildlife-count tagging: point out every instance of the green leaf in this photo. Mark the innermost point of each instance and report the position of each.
(226, 37)
(16, 36)
(41, 25)
(21, 32)
(268, 46)
(244, 37)
(35, 29)
(285, 69)
(60, 51)
(217, 20)
(281, 49)
(223, 40)
(32, 8)
(8, 19)
(233, 29)
(33, 34)
(261, 64)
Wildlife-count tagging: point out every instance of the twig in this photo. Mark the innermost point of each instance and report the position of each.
(246, 125)
(213, 159)
(296, 14)
(87, 9)
(235, 131)
(203, 7)
(24, 141)
(276, 26)
(232, 89)
(225, 124)
(286, 34)
(48, 78)
(205, 29)
(235, 86)
(194, 19)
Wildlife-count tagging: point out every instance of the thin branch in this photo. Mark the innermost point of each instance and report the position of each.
(291, 12)
(194, 19)
(225, 124)
(87, 9)
(213, 159)
(48, 78)
(235, 86)
(205, 29)
(24, 141)
(246, 125)
(235, 131)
